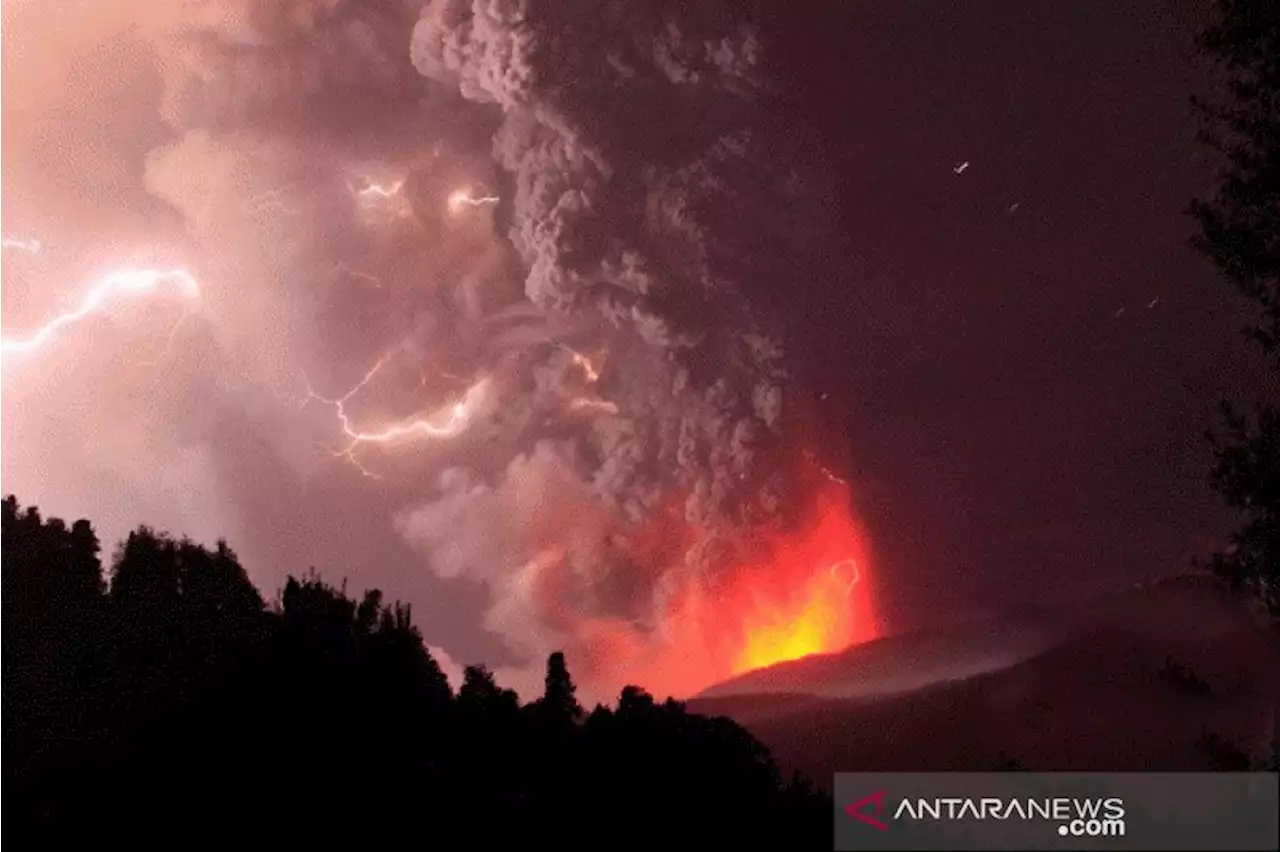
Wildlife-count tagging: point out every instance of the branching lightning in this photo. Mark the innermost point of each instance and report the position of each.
(119, 285)
(449, 421)
(383, 201)
(169, 340)
(374, 192)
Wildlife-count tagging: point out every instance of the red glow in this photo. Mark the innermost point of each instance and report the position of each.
(808, 595)
(811, 598)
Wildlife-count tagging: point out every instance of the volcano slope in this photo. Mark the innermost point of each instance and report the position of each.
(1168, 676)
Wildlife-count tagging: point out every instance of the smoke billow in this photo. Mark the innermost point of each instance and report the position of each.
(634, 141)
(568, 396)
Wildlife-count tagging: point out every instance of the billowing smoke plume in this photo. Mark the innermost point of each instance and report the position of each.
(562, 383)
(635, 147)
(632, 135)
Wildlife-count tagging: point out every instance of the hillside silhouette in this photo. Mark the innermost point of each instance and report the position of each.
(1167, 676)
(163, 701)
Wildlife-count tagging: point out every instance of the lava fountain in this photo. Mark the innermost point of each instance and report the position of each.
(806, 592)
(811, 597)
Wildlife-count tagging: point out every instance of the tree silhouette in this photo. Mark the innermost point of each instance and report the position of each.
(173, 706)
(560, 700)
(481, 698)
(52, 598)
(1240, 233)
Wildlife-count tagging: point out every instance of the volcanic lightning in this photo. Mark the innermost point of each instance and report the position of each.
(383, 200)
(584, 363)
(591, 373)
(460, 198)
(358, 274)
(649, 472)
(449, 421)
(582, 403)
(123, 284)
(816, 611)
(375, 191)
(30, 246)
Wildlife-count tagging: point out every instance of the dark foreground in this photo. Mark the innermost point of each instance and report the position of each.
(166, 704)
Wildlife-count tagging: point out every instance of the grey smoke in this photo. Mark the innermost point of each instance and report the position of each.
(643, 203)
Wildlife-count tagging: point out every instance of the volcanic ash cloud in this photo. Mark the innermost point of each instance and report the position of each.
(632, 138)
(631, 201)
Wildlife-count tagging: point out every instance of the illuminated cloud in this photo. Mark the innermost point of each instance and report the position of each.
(574, 400)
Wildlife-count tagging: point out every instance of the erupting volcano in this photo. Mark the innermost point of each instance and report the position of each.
(806, 595)
(810, 596)
(462, 315)
(807, 592)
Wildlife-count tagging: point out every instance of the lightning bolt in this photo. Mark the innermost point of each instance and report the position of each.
(592, 374)
(118, 285)
(446, 422)
(372, 192)
(460, 198)
(363, 276)
(384, 200)
(603, 406)
(583, 363)
(30, 246)
(339, 406)
(169, 341)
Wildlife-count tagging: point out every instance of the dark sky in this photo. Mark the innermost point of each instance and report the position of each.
(1015, 437)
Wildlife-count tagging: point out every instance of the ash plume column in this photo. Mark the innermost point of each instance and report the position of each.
(645, 175)
(547, 223)
(311, 164)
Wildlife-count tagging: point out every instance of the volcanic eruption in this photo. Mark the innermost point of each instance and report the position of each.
(505, 259)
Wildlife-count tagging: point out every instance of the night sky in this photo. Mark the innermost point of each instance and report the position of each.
(1025, 425)
(1011, 361)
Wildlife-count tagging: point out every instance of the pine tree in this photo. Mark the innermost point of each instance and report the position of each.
(560, 700)
(1240, 233)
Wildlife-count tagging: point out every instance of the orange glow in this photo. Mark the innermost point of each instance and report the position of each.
(819, 618)
(806, 593)
(811, 598)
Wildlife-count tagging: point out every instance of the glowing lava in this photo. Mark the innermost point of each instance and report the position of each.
(815, 619)
(807, 592)
(811, 599)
